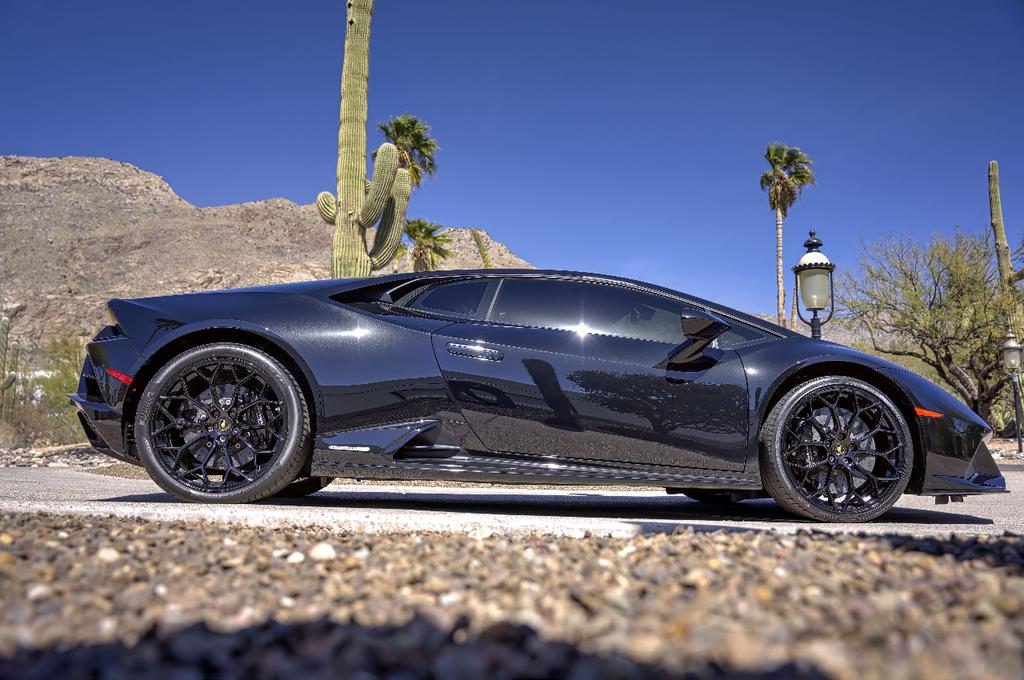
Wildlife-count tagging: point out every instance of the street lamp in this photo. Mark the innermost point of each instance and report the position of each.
(1011, 354)
(813, 275)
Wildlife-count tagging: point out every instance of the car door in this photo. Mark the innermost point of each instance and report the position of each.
(509, 376)
(692, 414)
(576, 369)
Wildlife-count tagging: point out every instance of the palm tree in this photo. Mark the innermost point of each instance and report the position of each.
(789, 173)
(428, 246)
(416, 148)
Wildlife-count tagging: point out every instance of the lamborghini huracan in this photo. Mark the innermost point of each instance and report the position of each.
(541, 377)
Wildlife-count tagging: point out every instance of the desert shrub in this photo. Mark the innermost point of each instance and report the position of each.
(937, 305)
(41, 413)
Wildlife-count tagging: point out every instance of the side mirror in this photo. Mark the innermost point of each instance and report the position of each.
(700, 329)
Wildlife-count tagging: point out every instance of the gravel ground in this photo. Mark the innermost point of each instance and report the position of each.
(1005, 450)
(71, 455)
(85, 596)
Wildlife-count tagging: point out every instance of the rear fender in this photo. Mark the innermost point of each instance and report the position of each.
(174, 341)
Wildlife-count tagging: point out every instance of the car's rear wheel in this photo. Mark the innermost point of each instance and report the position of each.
(223, 423)
(836, 449)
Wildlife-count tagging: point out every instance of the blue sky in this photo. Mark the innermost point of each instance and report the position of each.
(605, 136)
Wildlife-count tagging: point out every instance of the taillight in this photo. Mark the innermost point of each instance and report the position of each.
(118, 375)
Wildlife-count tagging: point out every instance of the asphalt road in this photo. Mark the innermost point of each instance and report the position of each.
(486, 511)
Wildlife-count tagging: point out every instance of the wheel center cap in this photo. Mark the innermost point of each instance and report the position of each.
(840, 449)
(223, 424)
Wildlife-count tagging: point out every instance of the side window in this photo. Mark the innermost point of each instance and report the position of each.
(547, 303)
(740, 334)
(461, 298)
(602, 309)
(611, 310)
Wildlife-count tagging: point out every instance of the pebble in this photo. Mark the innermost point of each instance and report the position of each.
(38, 591)
(322, 552)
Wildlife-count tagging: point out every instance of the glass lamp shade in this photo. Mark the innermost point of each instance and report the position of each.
(1011, 355)
(814, 288)
(814, 271)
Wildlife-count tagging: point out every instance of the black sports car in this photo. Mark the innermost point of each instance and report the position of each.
(515, 376)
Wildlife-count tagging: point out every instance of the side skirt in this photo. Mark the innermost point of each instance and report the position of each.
(472, 467)
(429, 450)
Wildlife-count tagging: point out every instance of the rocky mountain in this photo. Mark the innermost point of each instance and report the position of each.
(75, 231)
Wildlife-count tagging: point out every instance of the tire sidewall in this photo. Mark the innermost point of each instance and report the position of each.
(777, 473)
(289, 460)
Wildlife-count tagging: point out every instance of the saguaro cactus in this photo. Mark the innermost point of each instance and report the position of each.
(360, 204)
(485, 257)
(995, 209)
(8, 370)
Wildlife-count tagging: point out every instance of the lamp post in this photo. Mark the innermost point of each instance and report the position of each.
(813, 274)
(1011, 355)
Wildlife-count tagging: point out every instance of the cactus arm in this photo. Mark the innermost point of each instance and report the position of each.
(7, 395)
(392, 224)
(327, 206)
(384, 170)
(5, 330)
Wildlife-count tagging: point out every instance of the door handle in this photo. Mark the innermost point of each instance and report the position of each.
(474, 352)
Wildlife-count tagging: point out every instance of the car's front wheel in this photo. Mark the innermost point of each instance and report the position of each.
(836, 449)
(223, 423)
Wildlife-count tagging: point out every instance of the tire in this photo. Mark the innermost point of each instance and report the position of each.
(710, 496)
(223, 423)
(836, 449)
(306, 486)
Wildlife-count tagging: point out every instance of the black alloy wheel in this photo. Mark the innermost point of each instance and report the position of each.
(836, 449)
(223, 423)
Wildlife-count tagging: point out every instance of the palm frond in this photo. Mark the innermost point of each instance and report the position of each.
(789, 172)
(412, 137)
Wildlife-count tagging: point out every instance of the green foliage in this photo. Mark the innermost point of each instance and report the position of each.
(788, 173)
(485, 257)
(428, 246)
(41, 413)
(359, 204)
(416, 148)
(940, 305)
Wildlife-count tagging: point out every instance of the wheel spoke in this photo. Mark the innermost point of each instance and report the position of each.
(854, 413)
(849, 490)
(878, 429)
(258, 402)
(173, 425)
(812, 466)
